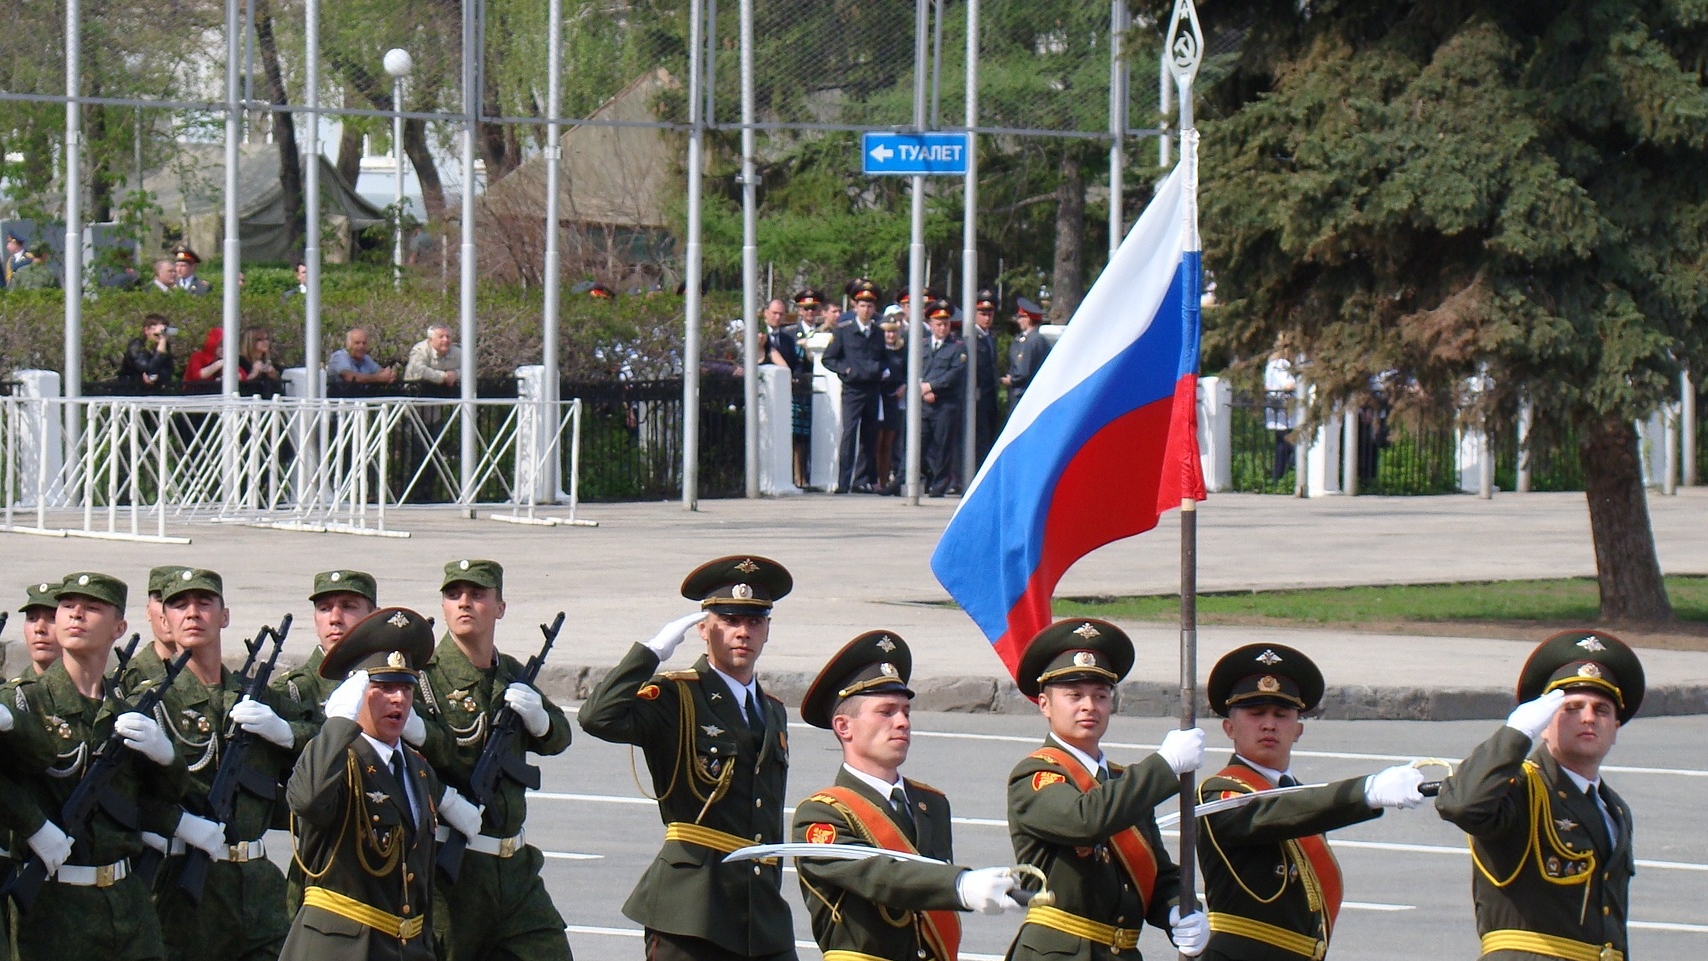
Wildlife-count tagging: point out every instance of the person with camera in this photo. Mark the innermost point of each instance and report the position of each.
(148, 358)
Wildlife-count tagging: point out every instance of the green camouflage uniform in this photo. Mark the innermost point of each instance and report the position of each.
(499, 906)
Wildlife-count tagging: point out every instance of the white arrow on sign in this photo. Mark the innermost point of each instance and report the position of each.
(881, 153)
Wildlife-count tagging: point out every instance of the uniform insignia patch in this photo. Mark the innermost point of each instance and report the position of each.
(1269, 657)
(1086, 631)
(712, 730)
(742, 592)
(372, 769)
(888, 669)
(1589, 670)
(400, 620)
(378, 797)
(885, 644)
(747, 566)
(714, 696)
(1044, 779)
(1084, 658)
(1268, 684)
(395, 658)
(1228, 794)
(1592, 643)
(648, 693)
(821, 834)
(1565, 824)
(336, 576)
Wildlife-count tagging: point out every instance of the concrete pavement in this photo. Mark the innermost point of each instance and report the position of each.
(862, 562)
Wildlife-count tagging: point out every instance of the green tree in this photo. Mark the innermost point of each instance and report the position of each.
(1461, 185)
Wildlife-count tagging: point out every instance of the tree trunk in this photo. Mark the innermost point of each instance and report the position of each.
(425, 167)
(1067, 283)
(284, 124)
(349, 155)
(1627, 569)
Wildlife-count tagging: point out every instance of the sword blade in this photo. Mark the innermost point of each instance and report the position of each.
(835, 852)
(1229, 803)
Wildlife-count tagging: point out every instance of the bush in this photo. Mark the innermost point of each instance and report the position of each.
(597, 339)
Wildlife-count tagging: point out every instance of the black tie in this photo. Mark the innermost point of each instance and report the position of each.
(898, 797)
(755, 717)
(1288, 780)
(399, 774)
(1102, 774)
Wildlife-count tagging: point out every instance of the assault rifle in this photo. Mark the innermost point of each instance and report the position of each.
(234, 772)
(120, 654)
(93, 792)
(497, 760)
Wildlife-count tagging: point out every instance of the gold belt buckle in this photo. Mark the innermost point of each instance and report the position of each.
(1607, 953)
(239, 852)
(104, 876)
(507, 847)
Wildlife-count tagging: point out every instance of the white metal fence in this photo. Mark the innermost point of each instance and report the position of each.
(121, 467)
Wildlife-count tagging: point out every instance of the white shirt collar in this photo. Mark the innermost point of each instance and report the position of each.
(741, 691)
(1584, 784)
(877, 784)
(1270, 773)
(1099, 763)
(380, 747)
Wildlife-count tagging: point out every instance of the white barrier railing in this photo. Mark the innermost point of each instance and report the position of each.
(120, 467)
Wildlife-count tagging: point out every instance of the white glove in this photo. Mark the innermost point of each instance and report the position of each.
(985, 890)
(263, 722)
(529, 706)
(460, 813)
(1533, 717)
(1183, 750)
(346, 699)
(414, 729)
(1394, 787)
(155, 841)
(5, 719)
(51, 845)
(1190, 933)
(145, 737)
(201, 834)
(664, 642)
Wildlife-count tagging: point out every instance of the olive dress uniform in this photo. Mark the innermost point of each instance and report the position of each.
(719, 785)
(1548, 877)
(366, 842)
(498, 907)
(104, 920)
(242, 913)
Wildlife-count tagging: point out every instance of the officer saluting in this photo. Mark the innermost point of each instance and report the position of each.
(1550, 842)
(366, 804)
(718, 750)
(1088, 824)
(1271, 884)
(880, 907)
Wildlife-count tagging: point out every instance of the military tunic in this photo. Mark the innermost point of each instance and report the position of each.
(1542, 863)
(1254, 869)
(498, 906)
(1066, 833)
(61, 729)
(19, 816)
(871, 906)
(307, 692)
(710, 770)
(242, 912)
(363, 846)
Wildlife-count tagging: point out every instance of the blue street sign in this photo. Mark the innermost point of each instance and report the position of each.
(912, 154)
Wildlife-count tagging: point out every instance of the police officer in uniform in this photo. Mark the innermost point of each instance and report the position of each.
(366, 804)
(718, 750)
(1087, 823)
(1271, 885)
(93, 906)
(1026, 352)
(880, 907)
(941, 379)
(1551, 851)
(983, 336)
(240, 913)
(856, 355)
(498, 907)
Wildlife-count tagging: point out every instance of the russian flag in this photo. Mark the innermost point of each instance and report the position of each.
(1103, 441)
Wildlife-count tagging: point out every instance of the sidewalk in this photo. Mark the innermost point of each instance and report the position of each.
(862, 562)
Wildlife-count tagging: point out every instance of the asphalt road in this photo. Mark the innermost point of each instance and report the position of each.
(1407, 873)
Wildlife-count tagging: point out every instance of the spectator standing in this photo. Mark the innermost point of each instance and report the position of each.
(435, 360)
(892, 414)
(1027, 352)
(791, 340)
(148, 358)
(352, 364)
(941, 382)
(856, 355)
(301, 288)
(1278, 387)
(165, 277)
(207, 363)
(16, 258)
(38, 274)
(184, 263)
(981, 338)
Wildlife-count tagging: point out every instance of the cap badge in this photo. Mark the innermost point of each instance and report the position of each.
(747, 566)
(462, 565)
(336, 576)
(395, 660)
(1592, 643)
(888, 669)
(42, 587)
(1269, 657)
(884, 643)
(399, 620)
(742, 592)
(1084, 658)
(1268, 684)
(83, 580)
(1087, 631)
(1589, 670)
(186, 575)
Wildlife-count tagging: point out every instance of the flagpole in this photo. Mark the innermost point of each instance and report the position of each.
(1182, 54)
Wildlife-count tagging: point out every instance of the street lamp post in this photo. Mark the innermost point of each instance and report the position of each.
(398, 63)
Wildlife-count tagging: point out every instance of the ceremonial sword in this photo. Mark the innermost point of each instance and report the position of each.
(1202, 808)
(860, 852)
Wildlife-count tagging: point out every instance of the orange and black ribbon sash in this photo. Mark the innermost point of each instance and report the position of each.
(1130, 848)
